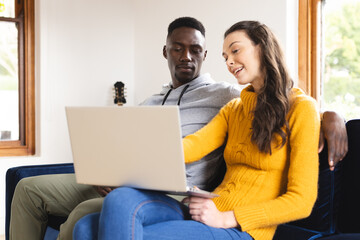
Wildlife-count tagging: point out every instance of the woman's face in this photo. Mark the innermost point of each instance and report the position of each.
(243, 59)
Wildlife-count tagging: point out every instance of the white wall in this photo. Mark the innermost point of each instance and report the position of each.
(154, 16)
(83, 47)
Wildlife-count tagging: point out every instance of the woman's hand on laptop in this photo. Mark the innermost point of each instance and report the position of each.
(204, 210)
(103, 191)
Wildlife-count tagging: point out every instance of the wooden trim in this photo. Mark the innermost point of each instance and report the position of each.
(22, 88)
(308, 50)
(19, 5)
(303, 46)
(6, 19)
(30, 76)
(10, 144)
(26, 146)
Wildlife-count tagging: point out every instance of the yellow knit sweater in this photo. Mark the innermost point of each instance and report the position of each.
(263, 190)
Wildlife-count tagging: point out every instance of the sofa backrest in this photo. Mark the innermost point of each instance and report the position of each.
(349, 210)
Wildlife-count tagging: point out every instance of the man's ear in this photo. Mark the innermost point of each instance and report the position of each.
(205, 55)
(164, 52)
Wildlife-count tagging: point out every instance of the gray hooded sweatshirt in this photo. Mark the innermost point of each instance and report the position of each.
(199, 101)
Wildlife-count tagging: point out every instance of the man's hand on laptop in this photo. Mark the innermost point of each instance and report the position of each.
(103, 191)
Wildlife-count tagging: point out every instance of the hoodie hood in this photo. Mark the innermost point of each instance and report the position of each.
(202, 80)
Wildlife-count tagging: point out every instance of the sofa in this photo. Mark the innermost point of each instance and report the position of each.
(333, 216)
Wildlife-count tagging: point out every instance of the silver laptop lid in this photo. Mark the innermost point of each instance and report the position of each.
(132, 146)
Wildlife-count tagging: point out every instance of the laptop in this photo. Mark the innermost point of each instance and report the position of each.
(139, 147)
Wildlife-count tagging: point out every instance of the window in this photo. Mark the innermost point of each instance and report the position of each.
(341, 57)
(17, 121)
(329, 54)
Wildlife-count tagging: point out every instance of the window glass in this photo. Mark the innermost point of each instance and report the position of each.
(341, 60)
(9, 81)
(7, 8)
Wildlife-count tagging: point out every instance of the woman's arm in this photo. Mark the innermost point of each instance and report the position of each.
(208, 138)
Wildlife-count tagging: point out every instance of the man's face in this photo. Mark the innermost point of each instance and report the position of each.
(185, 52)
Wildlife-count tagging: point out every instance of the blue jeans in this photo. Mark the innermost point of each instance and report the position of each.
(129, 213)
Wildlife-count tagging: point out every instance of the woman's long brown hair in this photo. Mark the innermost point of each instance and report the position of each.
(273, 98)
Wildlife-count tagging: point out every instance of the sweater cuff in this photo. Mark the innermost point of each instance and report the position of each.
(250, 217)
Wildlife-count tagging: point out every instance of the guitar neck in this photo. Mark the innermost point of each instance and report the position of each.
(119, 93)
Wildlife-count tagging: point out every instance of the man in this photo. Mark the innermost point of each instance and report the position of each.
(199, 99)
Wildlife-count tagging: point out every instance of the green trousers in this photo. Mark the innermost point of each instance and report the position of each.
(59, 194)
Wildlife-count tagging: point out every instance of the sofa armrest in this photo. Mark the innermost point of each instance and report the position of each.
(14, 175)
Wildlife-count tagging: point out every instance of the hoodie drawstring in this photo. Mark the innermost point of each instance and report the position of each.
(181, 94)
(166, 96)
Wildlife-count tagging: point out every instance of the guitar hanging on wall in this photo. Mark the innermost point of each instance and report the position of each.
(119, 98)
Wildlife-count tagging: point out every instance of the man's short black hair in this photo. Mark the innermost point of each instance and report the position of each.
(186, 22)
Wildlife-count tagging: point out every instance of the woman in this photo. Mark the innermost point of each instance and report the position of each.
(271, 155)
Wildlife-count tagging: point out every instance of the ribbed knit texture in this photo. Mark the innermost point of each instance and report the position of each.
(263, 190)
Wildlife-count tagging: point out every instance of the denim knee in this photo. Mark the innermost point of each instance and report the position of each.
(130, 198)
(25, 188)
(87, 227)
(121, 195)
(128, 202)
